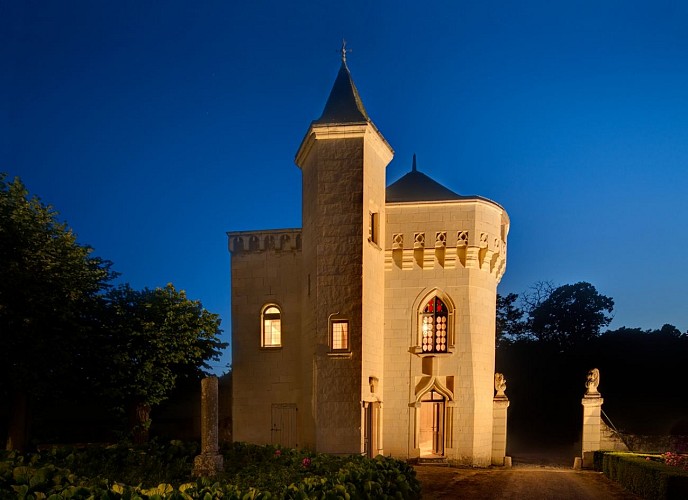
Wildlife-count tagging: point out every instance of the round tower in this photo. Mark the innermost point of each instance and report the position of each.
(445, 256)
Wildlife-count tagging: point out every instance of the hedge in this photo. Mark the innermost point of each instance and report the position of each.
(646, 477)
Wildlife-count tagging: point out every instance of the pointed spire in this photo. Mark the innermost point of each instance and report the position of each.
(344, 104)
(413, 168)
(344, 51)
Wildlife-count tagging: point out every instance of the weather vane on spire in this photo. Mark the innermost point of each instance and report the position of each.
(344, 51)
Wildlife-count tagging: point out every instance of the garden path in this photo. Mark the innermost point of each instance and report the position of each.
(519, 482)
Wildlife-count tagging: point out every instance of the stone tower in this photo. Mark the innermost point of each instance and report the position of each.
(343, 159)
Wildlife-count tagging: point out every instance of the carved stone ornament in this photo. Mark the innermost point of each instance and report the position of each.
(592, 382)
(500, 385)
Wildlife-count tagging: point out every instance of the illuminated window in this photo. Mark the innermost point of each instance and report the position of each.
(272, 327)
(434, 326)
(340, 335)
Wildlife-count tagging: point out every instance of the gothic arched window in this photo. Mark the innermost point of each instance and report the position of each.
(271, 326)
(434, 326)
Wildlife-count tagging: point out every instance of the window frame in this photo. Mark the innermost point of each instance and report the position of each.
(263, 320)
(450, 338)
(374, 227)
(340, 321)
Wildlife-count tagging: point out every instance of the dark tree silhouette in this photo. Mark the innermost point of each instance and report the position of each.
(50, 287)
(570, 315)
(510, 324)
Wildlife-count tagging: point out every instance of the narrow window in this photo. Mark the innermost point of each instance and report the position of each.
(374, 228)
(340, 335)
(433, 321)
(272, 327)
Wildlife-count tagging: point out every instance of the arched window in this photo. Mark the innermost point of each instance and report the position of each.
(271, 322)
(434, 326)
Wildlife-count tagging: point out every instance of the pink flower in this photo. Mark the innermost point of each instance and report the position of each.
(306, 462)
(278, 453)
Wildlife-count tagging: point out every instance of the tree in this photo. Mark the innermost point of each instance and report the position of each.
(50, 287)
(153, 337)
(509, 321)
(570, 315)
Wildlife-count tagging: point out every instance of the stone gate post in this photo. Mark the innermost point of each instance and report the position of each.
(592, 418)
(499, 407)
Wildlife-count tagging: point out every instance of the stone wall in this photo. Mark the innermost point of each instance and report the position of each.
(343, 179)
(456, 249)
(265, 270)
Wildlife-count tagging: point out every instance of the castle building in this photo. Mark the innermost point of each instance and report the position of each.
(371, 329)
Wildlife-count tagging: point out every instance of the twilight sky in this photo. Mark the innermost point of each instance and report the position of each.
(155, 127)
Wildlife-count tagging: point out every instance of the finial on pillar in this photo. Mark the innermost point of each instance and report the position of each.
(344, 51)
(413, 168)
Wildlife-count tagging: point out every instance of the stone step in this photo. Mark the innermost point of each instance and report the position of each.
(440, 461)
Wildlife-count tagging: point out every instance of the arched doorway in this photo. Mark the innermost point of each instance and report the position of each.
(432, 424)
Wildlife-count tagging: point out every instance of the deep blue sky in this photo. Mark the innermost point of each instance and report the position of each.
(155, 127)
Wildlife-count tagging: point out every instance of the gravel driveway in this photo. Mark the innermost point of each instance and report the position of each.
(520, 482)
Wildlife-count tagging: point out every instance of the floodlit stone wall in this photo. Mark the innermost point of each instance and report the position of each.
(456, 250)
(265, 270)
(343, 179)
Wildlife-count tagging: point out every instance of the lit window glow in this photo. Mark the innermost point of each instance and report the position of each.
(272, 327)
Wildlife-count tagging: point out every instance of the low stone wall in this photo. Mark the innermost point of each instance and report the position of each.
(656, 444)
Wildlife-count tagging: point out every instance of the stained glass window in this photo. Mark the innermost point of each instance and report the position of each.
(272, 327)
(434, 326)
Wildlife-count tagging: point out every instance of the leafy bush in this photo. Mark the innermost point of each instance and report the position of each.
(676, 460)
(646, 476)
(164, 472)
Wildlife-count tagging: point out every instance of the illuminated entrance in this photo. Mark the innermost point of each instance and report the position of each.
(431, 431)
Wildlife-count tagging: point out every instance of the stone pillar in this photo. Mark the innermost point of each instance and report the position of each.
(592, 418)
(209, 462)
(499, 407)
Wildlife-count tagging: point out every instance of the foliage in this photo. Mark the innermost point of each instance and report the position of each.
(253, 472)
(549, 363)
(148, 464)
(646, 477)
(570, 315)
(149, 339)
(676, 460)
(50, 287)
(48, 283)
(509, 320)
(154, 336)
(560, 317)
(67, 334)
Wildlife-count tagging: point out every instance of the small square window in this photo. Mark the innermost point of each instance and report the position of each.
(340, 335)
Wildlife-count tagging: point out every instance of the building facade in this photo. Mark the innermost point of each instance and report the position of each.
(371, 329)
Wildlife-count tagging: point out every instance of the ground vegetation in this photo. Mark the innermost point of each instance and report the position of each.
(165, 471)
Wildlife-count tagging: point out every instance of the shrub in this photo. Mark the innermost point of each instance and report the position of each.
(646, 476)
(676, 460)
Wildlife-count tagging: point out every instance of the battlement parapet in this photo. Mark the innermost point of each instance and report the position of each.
(447, 250)
(277, 240)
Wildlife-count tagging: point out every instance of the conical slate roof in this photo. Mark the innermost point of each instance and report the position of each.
(416, 186)
(344, 104)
